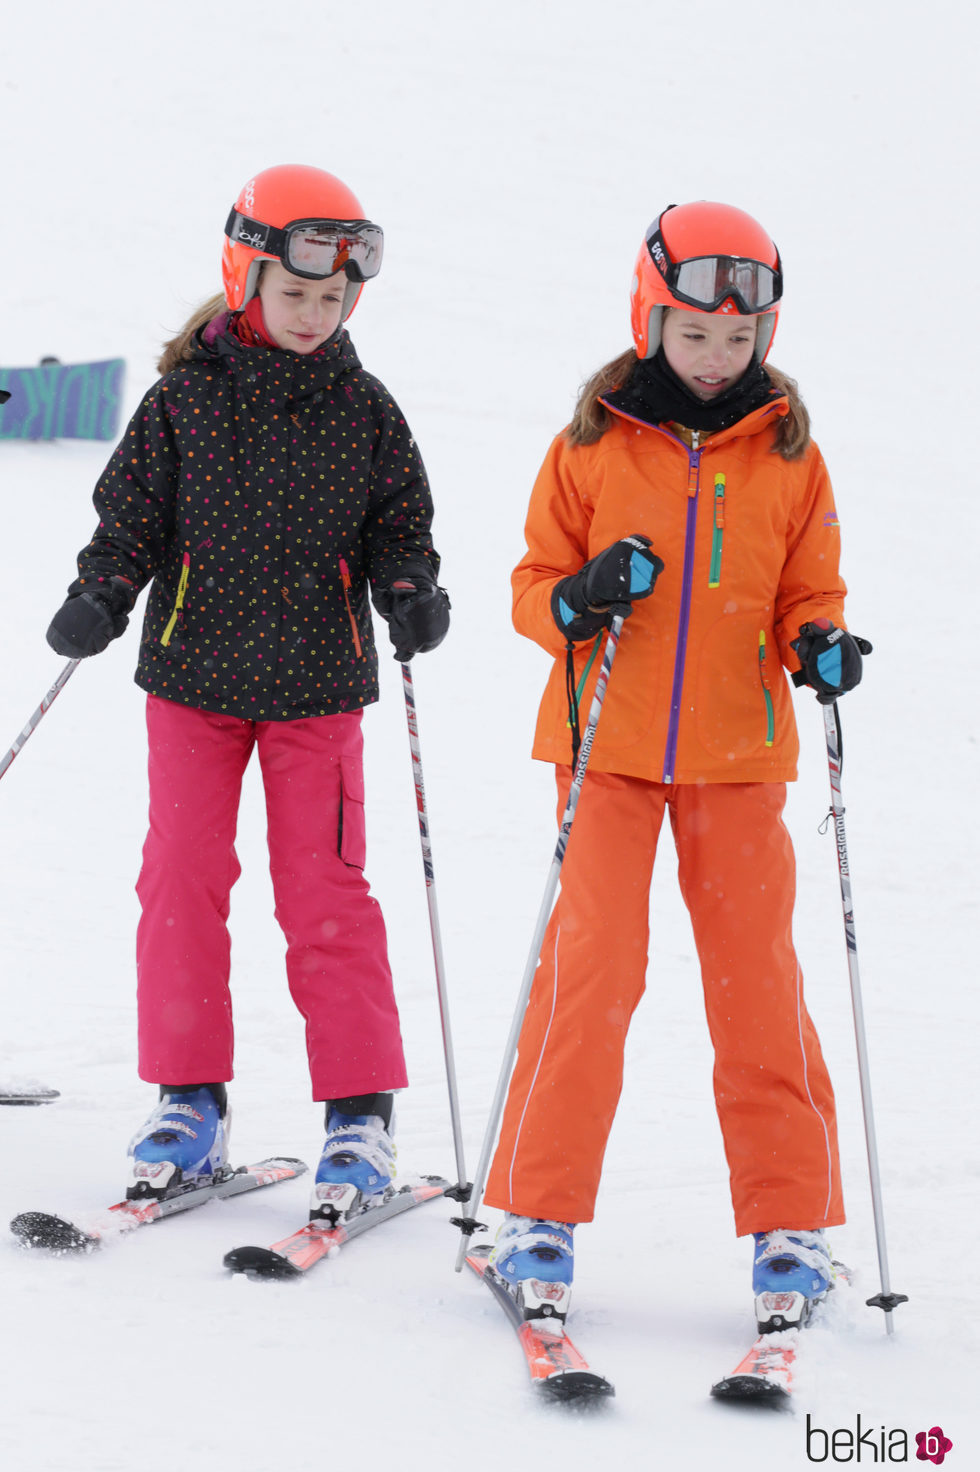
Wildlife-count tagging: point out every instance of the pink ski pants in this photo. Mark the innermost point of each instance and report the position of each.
(336, 955)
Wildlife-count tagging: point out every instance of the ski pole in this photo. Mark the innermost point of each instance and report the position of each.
(886, 1299)
(42, 709)
(469, 1225)
(461, 1191)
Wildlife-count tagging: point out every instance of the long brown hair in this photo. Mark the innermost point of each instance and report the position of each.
(591, 418)
(179, 348)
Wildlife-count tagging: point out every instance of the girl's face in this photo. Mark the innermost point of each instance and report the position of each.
(300, 314)
(708, 352)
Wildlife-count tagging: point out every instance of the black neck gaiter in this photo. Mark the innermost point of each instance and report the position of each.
(655, 394)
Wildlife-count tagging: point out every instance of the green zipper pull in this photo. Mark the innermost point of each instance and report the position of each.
(717, 532)
(766, 690)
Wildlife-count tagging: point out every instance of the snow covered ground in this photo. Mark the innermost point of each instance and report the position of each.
(514, 154)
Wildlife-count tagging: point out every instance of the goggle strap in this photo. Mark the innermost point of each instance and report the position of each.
(266, 239)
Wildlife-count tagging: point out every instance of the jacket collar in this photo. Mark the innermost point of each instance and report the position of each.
(296, 374)
(753, 423)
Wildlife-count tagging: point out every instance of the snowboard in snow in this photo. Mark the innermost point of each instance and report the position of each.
(54, 401)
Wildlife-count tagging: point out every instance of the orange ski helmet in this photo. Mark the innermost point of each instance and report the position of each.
(306, 219)
(709, 257)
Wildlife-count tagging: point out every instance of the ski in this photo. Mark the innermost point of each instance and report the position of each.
(765, 1375)
(57, 1234)
(557, 1369)
(303, 1249)
(30, 1094)
(766, 1372)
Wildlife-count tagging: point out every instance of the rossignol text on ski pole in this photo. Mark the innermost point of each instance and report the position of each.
(886, 1299)
(461, 1191)
(469, 1225)
(42, 710)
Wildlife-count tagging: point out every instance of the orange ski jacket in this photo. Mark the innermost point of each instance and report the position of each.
(750, 544)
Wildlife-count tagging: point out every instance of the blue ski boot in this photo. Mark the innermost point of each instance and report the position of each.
(358, 1158)
(791, 1273)
(184, 1143)
(535, 1258)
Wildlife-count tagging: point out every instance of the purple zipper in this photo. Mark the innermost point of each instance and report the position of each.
(687, 584)
(670, 754)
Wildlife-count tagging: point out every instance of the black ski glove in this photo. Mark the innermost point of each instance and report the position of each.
(88, 621)
(417, 610)
(587, 601)
(831, 659)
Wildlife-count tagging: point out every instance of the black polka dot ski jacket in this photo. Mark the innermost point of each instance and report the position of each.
(263, 492)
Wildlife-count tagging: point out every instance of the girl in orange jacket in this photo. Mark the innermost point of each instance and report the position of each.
(688, 474)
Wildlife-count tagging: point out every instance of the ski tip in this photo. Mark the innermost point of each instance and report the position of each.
(27, 1097)
(751, 1389)
(581, 1386)
(260, 1262)
(39, 1229)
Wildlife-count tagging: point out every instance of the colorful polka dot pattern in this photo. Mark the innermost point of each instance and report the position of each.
(250, 485)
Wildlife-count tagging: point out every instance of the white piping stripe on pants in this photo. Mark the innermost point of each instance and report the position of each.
(813, 1105)
(537, 1070)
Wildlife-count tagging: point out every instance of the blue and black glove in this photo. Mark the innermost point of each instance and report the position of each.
(831, 659)
(607, 585)
(417, 610)
(88, 620)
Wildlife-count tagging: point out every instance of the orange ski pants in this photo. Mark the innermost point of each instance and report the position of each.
(772, 1091)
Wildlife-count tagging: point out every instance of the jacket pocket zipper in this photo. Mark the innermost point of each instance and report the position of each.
(185, 573)
(717, 532)
(766, 690)
(345, 583)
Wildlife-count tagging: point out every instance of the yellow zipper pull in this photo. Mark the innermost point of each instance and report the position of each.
(185, 573)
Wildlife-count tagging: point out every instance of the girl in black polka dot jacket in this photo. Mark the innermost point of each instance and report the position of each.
(265, 485)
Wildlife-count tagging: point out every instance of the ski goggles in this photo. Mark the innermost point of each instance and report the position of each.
(314, 248)
(706, 282)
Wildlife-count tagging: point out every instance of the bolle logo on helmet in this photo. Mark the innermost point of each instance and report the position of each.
(256, 239)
